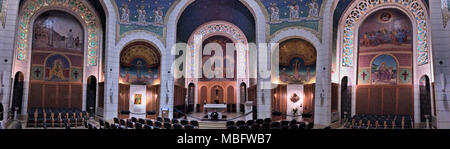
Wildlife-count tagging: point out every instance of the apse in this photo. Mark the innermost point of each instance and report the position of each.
(234, 23)
(219, 89)
(203, 11)
(222, 42)
(293, 96)
(139, 65)
(139, 80)
(297, 62)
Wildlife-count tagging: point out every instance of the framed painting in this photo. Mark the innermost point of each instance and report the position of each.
(137, 99)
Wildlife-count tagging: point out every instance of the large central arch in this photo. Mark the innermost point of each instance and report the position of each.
(205, 31)
(173, 17)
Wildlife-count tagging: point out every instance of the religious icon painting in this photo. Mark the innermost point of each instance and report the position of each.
(37, 73)
(57, 68)
(137, 99)
(405, 76)
(384, 70)
(363, 76)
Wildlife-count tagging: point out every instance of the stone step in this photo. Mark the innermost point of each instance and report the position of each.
(211, 125)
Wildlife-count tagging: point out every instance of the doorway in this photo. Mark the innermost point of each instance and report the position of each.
(346, 98)
(17, 94)
(425, 98)
(191, 98)
(91, 94)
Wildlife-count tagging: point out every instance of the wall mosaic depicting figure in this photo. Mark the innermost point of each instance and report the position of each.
(58, 48)
(147, 15)
(293, 13)
(297, 62)
(139, 65)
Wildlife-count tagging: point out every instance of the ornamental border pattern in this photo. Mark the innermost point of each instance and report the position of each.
(220, 27)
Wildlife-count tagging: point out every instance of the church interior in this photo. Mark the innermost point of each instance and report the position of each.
(228, 64)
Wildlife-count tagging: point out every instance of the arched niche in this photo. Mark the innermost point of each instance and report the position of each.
(385, 64)
(349, 36)
(91, 94)
(296, 75)
(87, 16)
(426, 111)
(139, 77)
(57, 57)
(346, 98)
(17, 99)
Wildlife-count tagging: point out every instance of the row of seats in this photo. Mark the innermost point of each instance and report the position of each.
(268, 124)
(51, 117)
(380, 122)
(159, 123)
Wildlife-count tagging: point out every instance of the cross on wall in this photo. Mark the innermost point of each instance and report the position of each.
(76, 74)
(37, 72)
(364, 75)
(405, 75)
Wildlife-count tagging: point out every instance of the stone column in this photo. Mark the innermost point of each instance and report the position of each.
(112, 54)
(7, 56)
(441, 52)
(322, 105)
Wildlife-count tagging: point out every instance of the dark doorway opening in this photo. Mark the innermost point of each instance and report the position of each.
(191, 98)
(346, 98)
(91, 94)
(425, 98)
(17, 94)
(243, 94)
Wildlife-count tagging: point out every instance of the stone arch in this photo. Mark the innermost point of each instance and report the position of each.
(82, 11)
(252, 5)
(218, 28)
(348, 32)
(297, 33)
(141, 36)
(354, 17)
